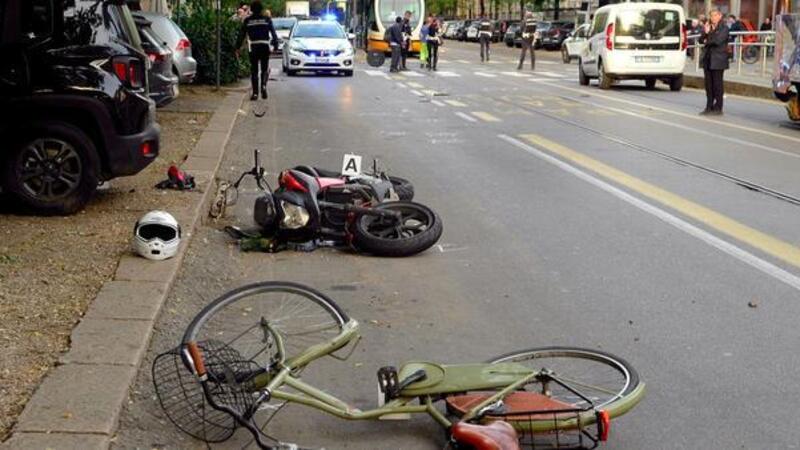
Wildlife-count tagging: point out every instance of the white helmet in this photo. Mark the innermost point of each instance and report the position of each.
(157, 235)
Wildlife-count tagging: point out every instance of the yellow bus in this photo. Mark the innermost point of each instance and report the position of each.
(382, 14)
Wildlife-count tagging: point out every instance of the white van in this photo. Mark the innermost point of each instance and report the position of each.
(641, 41)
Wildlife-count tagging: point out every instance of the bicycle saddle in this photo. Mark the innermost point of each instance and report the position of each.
(495, 436)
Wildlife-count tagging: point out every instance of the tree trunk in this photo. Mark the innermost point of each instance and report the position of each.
(482, 5)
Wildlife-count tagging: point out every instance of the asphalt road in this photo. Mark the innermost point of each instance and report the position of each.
(615, 220)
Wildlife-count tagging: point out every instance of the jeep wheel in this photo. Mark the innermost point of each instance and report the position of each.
(51, 169)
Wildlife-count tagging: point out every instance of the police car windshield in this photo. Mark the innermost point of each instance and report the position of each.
(319, 30)
(284, 23)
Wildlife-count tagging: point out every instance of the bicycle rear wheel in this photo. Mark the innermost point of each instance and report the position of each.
(301, 315)
(606, 378)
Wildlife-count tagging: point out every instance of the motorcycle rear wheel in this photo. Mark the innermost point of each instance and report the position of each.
(417, 231)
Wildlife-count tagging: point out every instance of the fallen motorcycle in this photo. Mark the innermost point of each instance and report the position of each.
(364, 212)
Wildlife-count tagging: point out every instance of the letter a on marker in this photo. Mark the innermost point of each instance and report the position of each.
(351, 165)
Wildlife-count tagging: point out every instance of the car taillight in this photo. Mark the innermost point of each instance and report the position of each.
(610, 36)
(130, 71)
(156, 57)
(147, 149)
(684, 38)
(183, 44)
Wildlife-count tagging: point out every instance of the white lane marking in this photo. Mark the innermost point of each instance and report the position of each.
(376, 73)
(414, 85)
(437, 103)
(550, 74)
(417, 93)
(484, 74)
(710, 239)
(539, 79)
(516, 74)
(693, 117)
(447, 74)
(411, 73)
(401, 85)
(546, 62)
(693, 130)
(462, 61)
(466, 117)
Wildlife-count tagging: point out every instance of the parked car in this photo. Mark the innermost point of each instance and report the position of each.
(452, 29)
(573, 45)
(461, 32)
(74, 109)
(283, 27)
(471, 34)
(645, 41)
(183, 64)
(513, 36)
(555, 36)
(542, 28)
(163, 83)
(497, 35)
(318, 47)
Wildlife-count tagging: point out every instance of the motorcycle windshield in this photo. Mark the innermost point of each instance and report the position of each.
(787, 52)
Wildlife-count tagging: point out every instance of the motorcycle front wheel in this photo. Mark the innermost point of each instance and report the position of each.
(418, 229)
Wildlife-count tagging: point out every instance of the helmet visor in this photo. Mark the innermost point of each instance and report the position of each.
(156, 231)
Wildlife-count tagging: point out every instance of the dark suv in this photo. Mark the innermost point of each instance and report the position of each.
(74, 105)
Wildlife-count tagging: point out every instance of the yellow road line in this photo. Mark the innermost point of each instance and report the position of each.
(694, 117)
(485, 116)
(757, 239)
(455, 103)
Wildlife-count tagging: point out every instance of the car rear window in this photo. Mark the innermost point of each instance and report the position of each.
(123, 24)
(647, 24)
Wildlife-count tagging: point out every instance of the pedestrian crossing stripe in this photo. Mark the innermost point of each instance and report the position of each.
(417, 93)
(437, 103)
(539, 79)
(462, 61)
(484, 74)
(546, 62)
(415, 85)
(411, 73)
(455, 103)
(448, 74)
(551, 74)
(376, 73)
(485, 116)
(516, 74)
(466, 117)
(429, 92)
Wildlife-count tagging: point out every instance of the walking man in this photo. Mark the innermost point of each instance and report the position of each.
(528, 40)
(258, 28)
(485, 27)
(395, 43)
(715, 61)
(406, 29)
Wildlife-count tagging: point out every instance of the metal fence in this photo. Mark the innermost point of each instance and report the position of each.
(748, 49)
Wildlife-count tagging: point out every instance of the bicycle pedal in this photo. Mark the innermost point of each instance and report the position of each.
(382, 401)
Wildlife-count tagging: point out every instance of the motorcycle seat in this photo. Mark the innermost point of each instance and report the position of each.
(308, 181)
(495, 436)
(325, 182)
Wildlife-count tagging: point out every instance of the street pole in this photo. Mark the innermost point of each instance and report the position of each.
(219, 43)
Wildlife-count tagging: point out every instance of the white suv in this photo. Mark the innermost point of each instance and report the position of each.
(642, 41)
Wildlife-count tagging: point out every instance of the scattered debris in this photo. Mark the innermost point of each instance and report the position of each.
(752, 304)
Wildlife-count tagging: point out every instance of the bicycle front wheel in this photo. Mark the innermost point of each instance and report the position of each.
(301, 315)
(609, 381)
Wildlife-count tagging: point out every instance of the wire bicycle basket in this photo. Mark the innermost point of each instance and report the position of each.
(184, 400)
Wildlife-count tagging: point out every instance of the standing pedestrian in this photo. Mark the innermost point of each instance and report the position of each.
(715, 61)
(423, 39)
(485, 27)
(766, 25)
(258, 29)
(433, 43)
(395, 43)
(406, 28)
(528, 39)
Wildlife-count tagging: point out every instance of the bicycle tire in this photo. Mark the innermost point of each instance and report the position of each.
(620, 403)
(199, 329)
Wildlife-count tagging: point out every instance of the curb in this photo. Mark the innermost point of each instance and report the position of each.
(732, 87)
(77, 405)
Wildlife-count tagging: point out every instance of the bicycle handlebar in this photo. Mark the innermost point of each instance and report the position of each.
(197, 358)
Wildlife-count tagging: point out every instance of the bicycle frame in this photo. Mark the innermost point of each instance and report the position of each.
(505, 378)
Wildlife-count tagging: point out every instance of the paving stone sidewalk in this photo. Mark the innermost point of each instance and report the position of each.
(77, 405)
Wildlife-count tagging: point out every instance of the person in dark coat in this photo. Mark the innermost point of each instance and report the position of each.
(406, 28)
(715, 61)
(258, 29)
(396, 43)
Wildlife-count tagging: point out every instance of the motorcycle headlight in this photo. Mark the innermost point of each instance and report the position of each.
(294, 216)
